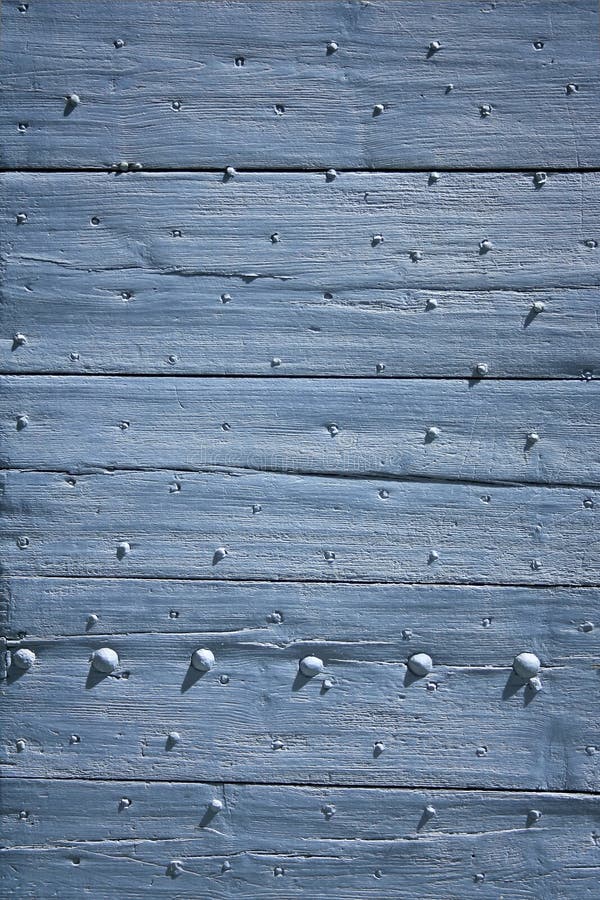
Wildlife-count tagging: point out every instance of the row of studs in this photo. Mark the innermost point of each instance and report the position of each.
(105, 661)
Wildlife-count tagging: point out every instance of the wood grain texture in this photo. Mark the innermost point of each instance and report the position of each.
(277, 526)
(173, 97)
(486, 625)
(477, 845)
(254, 718)
(129, 295)
(496, 431)
(82, 322)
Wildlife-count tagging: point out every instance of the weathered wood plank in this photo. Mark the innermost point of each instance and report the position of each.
(490, 622)
(485, 431)
(244, 524)
(355, 843)
(127, 295)
(254, 718)
(83, 322)
(171, 91)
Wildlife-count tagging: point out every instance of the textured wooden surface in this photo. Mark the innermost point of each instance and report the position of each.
(245, 412)
(483, 431)
(278, 274)
(292, 103)
(278, 526)
(360, 843)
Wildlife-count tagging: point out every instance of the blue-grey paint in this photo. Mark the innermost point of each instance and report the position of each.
(259, 85)
(298, 417)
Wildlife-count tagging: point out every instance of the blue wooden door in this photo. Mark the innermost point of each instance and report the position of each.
(299, 421)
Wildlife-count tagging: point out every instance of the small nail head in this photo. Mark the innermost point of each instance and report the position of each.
(23, 658)
(174, 868)
(533, 437)
(119, 43)
(220, 553)
(123, 166)
(540, 178)
(173, 737)
(21, 218)
(275, 362)
(230, 172)
(526, 665)
(485, 110)
(486, 245)
(572, 88)
(330, 174)
(482, 369)
(538, 306)
(73, 99)
(378, 109)
(377, 239)
(105, 660)
(277, 744)
(434, 46)
(534, 815)
(433, 177)
(203, 660)
(431, 304)
(430, 811)
(19, 339)
(22, 422)
(311, 666)
(535, 684)
(420, 664)
(332, 46)
(215, 805)
(123, 549)
(433, 432)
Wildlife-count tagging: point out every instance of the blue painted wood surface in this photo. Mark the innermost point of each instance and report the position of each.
(298, 358)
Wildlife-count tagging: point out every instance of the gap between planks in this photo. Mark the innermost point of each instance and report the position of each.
(303, 473)
(309, 170)
(542, 585)
(467, 789)
(260, 376)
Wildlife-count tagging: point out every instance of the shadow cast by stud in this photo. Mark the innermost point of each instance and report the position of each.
(191, 677)
(410, 678)
(15, 674)
(94, 678)
(425, 818)
(300, 681)
(208, 816)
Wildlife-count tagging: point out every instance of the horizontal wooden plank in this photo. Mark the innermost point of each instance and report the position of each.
(294, 842)
(253, 84)
(82, 322)
(487, 625)
(254, 718)
(130, 295)
(261, 525)
(497, 431)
